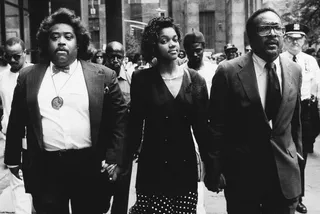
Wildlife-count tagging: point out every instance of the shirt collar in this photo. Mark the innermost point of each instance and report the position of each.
(122, 74)
(73, 67)
(261, 63)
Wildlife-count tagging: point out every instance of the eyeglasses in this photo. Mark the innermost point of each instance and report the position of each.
(100, 57)
(265, 30)
(292, 40)
(16, 57)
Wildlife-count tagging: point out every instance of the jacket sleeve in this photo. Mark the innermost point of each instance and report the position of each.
(16, 124)
(137, 113)
(116, 120)
(218, 115)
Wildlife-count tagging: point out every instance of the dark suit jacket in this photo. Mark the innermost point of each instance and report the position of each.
(241, 132)
(107, 120)
(167, 163)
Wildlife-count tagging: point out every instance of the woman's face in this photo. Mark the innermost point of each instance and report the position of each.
(99, 58)
(168, 44)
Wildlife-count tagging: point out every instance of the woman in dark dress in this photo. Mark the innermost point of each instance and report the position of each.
(167, 101)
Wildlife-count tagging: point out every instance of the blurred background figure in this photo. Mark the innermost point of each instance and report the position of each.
(139, 62)
(247, 49)
(231, 51)
(182, 57)
(99, 57)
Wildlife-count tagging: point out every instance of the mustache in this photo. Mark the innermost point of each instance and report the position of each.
(61, 49)
(272, 42)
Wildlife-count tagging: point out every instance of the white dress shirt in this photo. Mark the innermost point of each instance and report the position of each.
(262, 77)
(68, 127)
(310, 74)
(8, 82)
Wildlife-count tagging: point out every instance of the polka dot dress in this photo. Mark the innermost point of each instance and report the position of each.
(181, 204)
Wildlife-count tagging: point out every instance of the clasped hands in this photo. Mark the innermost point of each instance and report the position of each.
(113, 170)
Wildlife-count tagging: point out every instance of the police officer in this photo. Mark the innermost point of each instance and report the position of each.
(294, 40)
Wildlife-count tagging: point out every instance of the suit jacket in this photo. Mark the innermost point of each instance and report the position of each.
(246, 144)
(107, 120)
(167, 163)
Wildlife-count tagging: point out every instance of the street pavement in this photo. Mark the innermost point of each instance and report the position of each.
(214, 203)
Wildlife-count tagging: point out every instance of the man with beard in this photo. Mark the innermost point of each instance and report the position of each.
(15, 55)
(119, 189)
(294, 40)
(254, 117)
(74, 116)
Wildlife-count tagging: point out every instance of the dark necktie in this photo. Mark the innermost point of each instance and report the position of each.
(294, 58)
(273, 98)
(56, 69)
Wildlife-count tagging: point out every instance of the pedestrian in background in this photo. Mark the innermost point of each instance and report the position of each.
(194, 44)
(74, 116)
(15, 55)
(231, 51)
(99, 57)
(168, 101)
(254, 116)
(294, 40)
(119, 189)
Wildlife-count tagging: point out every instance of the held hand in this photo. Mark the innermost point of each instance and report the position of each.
(15, 172)
(115, 174)
(215, 184)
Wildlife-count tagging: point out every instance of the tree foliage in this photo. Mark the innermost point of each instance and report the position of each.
(306, 12)
(133, 41)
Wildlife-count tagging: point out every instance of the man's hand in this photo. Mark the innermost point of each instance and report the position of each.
(15, 171)
(215, 184)
(113, 170)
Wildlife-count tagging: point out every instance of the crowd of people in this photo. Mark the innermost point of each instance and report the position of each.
(74, 123)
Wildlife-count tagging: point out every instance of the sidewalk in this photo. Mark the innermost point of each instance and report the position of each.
(215, 203)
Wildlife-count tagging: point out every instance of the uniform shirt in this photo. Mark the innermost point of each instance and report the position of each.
(8, 82)
(207, 71)
(262, 77)
(68, 127)
(124, 81)
(310, 74)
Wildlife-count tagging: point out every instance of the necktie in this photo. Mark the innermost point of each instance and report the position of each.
(273, 98)
(56, 69)
(294, 58)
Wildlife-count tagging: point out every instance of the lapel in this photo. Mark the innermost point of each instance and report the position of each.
(95, 82)
(287, 87)
(34, 80)
(248, 79)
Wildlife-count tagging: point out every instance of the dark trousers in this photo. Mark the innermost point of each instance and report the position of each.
(256, 189)
(69, 176)
(308, 138)
(119, 190)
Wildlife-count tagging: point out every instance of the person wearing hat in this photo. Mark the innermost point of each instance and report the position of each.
(194, 45)
(294, 40)
(230, 51)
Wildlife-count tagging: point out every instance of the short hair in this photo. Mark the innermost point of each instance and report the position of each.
(15, 40)
(250, 25)
(64, 16)
(151, 33)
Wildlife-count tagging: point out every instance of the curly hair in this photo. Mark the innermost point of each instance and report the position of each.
(151, 33)
(64, 16)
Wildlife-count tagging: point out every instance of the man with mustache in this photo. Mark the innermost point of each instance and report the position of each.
(74, 116)
(294, 40)
(254, 117)
(15, 54)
